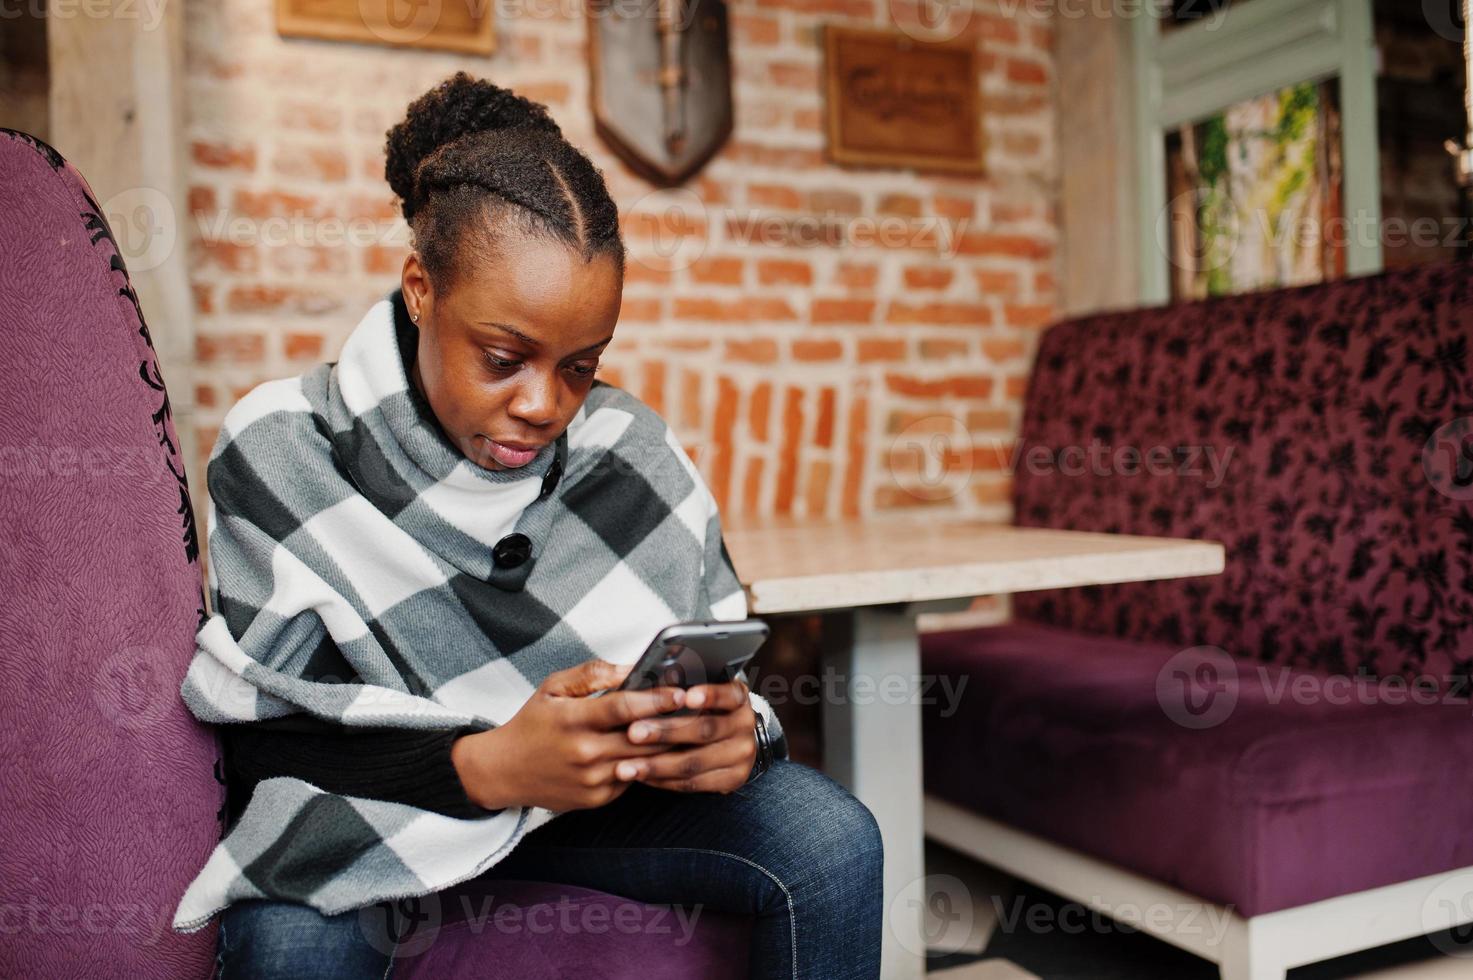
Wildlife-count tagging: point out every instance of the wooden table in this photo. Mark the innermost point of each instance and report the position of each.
(881, 574)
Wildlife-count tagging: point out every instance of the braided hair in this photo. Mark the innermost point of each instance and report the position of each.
(474, 163)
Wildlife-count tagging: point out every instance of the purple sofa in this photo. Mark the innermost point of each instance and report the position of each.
(110, 803)
(1247, 738)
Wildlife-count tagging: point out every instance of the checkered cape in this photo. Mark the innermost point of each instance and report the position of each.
(352, 578)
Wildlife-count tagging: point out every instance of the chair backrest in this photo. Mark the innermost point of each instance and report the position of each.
(109, 801)
(1318, 432)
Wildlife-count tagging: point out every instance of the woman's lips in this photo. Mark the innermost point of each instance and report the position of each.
(509, 456)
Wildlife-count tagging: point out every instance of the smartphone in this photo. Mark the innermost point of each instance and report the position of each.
(687, 654)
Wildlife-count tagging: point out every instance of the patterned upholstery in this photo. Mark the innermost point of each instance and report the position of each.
(110, 799)
(1345, 553)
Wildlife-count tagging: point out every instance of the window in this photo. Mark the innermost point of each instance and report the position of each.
(1256, 133)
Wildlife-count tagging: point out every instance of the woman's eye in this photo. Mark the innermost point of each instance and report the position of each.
(585, 370)
(500, 363)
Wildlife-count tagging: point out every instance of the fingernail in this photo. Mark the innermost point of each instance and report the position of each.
(696, 698)
(627, 770)
(679, 696)
(639, 732)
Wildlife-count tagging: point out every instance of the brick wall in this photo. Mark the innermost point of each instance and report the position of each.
(814, 329)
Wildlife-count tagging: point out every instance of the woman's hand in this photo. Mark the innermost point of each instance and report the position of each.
(712, 751)
(561, 748)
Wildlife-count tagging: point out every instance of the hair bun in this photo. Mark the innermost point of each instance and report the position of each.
(457, 107)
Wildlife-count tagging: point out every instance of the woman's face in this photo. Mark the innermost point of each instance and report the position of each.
(507, 352)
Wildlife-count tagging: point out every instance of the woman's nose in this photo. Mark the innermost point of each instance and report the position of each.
(536, 401)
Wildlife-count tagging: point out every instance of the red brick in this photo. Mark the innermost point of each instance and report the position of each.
(787, 473)
(309, 117)
(772, 196)
(1026, 72)
(755, 29)
(854, 464)
(752, 485)
(721, 270)
(955, 208)
(202, 200)
(302, 346)
(384, 260)
(823, 425)
(836, 202)
(809, 349)
(993, 282)
(857, 275)
(732, 311)
(903, 205)
(771, 272)
(958, 386)
(224, 156)
(228, 256)
(652, 387)
(276, 204)
(1037, 315)
(238, 348)
(758, 410)
(939, 314)
(943, 348)
(1002, 348)
(873, 349)
(761, 350)
(927, 277)
(816, 491)
(1012, 246)
(320, 163)
(204, 396)
(785, 74)
(842, 311)
(690, 400)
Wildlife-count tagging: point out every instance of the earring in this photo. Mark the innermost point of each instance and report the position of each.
(414, 317)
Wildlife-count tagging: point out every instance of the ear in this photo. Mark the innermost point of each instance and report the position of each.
(419, 295)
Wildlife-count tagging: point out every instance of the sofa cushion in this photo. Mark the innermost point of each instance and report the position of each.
(1270, 788)
(1315, 432)
(542, 931)
(109, 795)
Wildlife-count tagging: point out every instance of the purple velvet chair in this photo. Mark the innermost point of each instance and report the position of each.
(1244, 739)
(110, 803)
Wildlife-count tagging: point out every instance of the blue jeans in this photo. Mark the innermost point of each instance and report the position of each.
(793, 849)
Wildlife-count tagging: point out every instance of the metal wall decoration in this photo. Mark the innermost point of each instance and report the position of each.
(447, 25)
(895, 101)
(661, 83)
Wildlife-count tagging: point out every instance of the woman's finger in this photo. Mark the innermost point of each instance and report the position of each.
(697, 729)
(710, 781)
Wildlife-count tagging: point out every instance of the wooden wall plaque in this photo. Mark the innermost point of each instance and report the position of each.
(895, 101)
(465, 26)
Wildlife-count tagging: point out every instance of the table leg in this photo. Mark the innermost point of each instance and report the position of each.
(872, 744)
